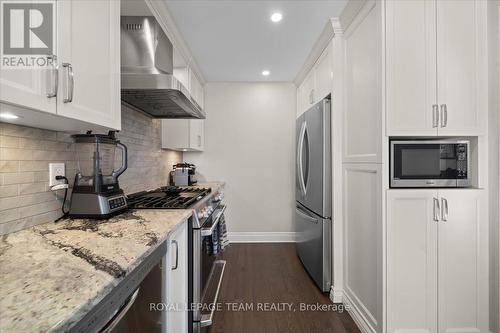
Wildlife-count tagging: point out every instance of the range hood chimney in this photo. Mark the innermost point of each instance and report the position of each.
(147, 80)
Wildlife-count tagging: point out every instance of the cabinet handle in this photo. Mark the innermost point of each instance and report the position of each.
(435, 115)
(199, 140)
(444, 115)
(444, 211)
(176, 255)
(54, 77)
(312, 96)
(70, 83)
(436, 209)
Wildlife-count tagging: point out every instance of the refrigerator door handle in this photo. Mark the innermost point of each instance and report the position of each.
(300, 157)
(303, 214)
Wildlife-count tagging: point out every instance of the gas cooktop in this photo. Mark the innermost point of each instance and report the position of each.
(167, 197)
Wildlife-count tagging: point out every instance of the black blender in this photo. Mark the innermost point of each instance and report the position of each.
(96, 192)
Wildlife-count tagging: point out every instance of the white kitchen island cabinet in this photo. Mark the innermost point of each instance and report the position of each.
(176, 280)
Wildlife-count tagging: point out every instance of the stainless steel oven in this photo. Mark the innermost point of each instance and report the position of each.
(207, 269)
(430, 163)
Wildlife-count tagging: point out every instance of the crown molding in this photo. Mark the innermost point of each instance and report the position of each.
(332, 28)
(162, 14)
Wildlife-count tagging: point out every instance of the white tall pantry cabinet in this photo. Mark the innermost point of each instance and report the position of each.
(414, 69)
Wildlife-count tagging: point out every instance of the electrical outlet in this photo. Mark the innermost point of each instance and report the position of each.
(56, 169)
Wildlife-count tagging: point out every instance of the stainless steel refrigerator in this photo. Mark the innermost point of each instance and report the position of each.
(313, 193)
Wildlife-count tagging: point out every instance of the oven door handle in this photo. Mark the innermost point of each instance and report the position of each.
(209, 231)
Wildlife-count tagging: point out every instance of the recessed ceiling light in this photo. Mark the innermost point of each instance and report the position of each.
(8, 116)
(276, 17)
(266, 72)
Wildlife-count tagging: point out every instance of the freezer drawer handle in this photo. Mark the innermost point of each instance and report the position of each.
(111, 325)
(301, 213)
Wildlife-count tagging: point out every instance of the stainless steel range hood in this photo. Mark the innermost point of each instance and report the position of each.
(147, 79)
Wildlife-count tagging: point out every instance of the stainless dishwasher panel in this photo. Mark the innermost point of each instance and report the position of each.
(314, 245)
(135, 315)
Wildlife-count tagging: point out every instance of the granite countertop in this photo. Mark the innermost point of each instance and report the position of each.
(52, 274)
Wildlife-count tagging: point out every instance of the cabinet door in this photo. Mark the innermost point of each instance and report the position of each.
(28, 88)
(196, 89)
(462, 61)
(363, 241)
(196, 134)
(411, 261)
(299, 101)
(323, 74)
(308, 92)
(463, 262)
(363, 108)
(411, 67)
(177, 281)
(89, 40)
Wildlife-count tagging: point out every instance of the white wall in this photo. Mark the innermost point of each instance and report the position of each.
(494, 147)
(250, 144)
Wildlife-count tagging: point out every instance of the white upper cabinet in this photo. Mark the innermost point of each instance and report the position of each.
(183, 134)
(411, 67)
(318, 82)
(84, 84)
(436, 67)
(307, 91)
(196, 89)
(323, 73)
(462, 66)
(89, 61)
(31, 88)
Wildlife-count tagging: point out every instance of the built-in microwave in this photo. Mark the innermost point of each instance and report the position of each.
(430, 163)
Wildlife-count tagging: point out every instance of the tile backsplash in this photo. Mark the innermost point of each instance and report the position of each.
(25, 154)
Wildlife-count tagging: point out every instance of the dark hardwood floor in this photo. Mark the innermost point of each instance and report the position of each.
(272, 273)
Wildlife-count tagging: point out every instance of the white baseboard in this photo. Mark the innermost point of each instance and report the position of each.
(336, 295)
(261, 237)
(356, 315)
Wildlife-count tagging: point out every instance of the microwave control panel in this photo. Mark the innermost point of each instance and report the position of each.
(462, 161)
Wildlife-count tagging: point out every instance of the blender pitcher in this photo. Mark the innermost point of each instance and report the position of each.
(96, 190)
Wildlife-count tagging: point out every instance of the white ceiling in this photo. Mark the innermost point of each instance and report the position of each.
(235, 40)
